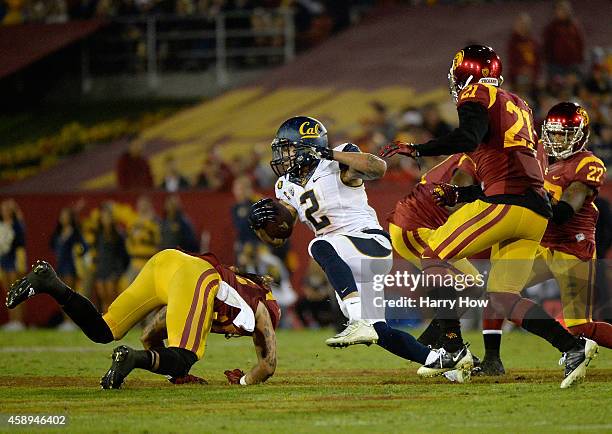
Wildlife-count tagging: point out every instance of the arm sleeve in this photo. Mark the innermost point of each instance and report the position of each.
(473, 127)
(562, 212)
(469, 194)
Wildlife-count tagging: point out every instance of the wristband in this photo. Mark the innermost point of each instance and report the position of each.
(243, 380)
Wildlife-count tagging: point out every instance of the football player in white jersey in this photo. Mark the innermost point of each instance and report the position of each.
(324, 188)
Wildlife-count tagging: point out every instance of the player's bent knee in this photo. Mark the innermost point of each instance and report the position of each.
(323, 252)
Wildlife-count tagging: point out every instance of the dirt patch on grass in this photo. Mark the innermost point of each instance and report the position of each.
(346, 377)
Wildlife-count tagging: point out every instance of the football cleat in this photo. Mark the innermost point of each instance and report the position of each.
(491, 366)
(457, 375)
(124, 361)
(41, 279)
(357, 332)
(460, 360)
(576, 361)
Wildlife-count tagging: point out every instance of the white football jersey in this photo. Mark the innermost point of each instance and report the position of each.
(326, 204)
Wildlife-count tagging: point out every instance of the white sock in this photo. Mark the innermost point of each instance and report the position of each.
(353, 308)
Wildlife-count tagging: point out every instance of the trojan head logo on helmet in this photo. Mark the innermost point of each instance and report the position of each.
(565, 130)
(294, 146)
(474, 64)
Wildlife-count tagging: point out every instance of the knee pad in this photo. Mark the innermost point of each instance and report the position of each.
(323, 252)
(337, 271)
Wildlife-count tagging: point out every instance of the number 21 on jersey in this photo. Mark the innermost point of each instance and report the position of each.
(515, 135)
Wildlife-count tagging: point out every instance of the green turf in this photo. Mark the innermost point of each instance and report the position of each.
(315, 389)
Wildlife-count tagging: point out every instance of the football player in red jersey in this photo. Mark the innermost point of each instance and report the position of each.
(510, 217)
(417, 215)
(567, 250)
(200, 295)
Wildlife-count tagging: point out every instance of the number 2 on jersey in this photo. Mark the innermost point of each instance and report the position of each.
(309, 196)
(522, 117)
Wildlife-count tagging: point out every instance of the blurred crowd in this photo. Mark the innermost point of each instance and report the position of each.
(544, 70)
(59, 11)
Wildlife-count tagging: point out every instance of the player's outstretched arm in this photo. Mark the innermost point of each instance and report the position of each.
(155, 332)
(264, 338)
(361, 165)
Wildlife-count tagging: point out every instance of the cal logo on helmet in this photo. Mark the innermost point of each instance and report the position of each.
(309, 132)
(458, 59)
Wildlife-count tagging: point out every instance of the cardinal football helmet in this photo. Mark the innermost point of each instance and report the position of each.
(474, 64)
(565, 130)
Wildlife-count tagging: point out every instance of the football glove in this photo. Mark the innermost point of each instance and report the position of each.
(187, 379)
(262, 211)
(397, 147)
(318, 151)
(445, 194)
(234, 375)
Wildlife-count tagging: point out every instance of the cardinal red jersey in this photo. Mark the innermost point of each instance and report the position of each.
(418, 209)
(251, 293)
(577, 236)
(506, 161)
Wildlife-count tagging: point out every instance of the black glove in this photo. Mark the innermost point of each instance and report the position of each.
(262, 211)
(318, 151)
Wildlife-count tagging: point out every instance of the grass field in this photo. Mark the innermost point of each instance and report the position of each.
(315, 389)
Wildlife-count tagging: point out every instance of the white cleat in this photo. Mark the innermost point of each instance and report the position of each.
(458, 376)
(460, 361)
(13, 326)
(576, 361)
(357, 332)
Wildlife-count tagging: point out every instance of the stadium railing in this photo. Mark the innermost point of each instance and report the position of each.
(159, 44)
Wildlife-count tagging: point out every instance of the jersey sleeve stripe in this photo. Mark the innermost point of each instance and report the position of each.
(587, 160)
(350, 147)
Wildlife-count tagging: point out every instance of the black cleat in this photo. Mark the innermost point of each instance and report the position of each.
(124, 361)
(492, 366)
(576, 361)
(460, 360)
(42, 279)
